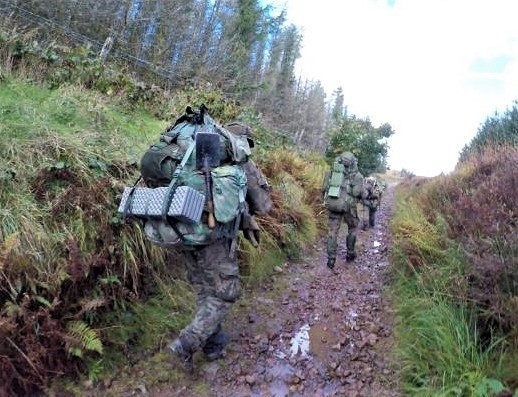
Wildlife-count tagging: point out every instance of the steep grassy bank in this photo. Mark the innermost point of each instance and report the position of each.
(81, 293)
(456, 279)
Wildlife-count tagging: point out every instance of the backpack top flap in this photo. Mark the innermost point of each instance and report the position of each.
(239, 146)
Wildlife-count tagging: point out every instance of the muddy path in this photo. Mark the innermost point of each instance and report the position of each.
(308, 332)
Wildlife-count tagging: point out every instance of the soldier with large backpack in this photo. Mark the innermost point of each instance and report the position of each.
(342, 190)
(201, 188)
(373, 199)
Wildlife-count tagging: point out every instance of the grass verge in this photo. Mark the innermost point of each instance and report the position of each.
(440, 348)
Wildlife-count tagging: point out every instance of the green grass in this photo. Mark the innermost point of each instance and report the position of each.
(32, 111)
(439, 347)
(65, 156)
(258, 263)
(440, 351)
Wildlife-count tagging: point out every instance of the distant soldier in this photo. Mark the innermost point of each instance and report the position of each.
(342, 190)
(373, 199)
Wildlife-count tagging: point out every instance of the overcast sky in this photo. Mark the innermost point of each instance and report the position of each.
(433, 69)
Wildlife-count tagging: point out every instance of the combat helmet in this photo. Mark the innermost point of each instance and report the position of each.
(348, 160)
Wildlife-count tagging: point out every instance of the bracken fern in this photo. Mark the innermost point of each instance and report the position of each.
(82, 337)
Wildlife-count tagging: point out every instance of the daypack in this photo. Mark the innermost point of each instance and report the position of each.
(192, 176)
(374, 189)
(338, 189)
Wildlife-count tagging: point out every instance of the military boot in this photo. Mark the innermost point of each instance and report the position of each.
(351, 242)
(215, 345)
(372, 218)
(331, 263)
(332, 247)
(183, 354)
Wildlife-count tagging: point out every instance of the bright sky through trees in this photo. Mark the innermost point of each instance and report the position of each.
(433, 69)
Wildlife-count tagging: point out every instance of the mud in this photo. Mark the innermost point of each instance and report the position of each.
(310, 331)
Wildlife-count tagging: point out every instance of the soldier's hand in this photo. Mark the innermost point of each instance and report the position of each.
(253, 236)
(251, 229)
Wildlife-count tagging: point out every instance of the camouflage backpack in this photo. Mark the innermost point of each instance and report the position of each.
(195, 183)
(258, 191)
(374, 188)
(339, 184)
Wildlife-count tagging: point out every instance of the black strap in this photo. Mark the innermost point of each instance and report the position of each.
(129, 200)
(172, 188)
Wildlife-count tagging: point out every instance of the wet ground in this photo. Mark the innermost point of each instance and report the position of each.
(310, 332)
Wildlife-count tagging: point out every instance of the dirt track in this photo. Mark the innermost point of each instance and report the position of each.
(310, 332)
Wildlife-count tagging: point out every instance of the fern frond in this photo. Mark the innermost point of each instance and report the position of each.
(84, 336)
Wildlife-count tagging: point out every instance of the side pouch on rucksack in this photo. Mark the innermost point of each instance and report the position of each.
(159, 162)
(258, 192)
(228, 192)
(336, 196)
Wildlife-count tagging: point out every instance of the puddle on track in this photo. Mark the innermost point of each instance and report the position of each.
(317, 341)
(299, 344)
(322, 339)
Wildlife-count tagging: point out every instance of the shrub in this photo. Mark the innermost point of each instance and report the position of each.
(479, 204)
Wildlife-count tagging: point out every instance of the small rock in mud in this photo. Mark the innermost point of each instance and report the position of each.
(295, 380)
(251, 379)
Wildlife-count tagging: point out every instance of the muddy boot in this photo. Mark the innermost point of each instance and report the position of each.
(332, 247)
(331, 263)
(215, 345)
(351, 242)
(182, 355)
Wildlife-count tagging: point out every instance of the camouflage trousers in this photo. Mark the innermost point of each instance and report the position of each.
(215, 279)
(334, 222)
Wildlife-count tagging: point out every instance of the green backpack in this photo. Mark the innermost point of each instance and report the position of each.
(182, 193)
(337, 189)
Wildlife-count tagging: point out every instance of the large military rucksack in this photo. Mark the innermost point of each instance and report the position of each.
(195, 183)
(338, 189)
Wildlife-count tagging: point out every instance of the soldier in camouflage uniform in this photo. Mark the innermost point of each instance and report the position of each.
(352, 192)
(372, 201)
(214, 275)
(213, 271)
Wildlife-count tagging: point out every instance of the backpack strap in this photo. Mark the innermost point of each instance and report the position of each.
(237, 222)
(129, 200)
(172, 185)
